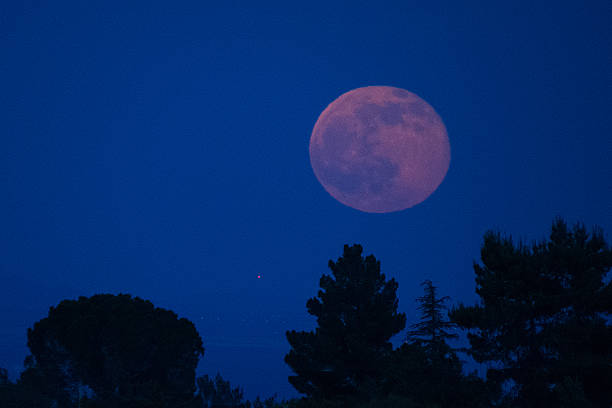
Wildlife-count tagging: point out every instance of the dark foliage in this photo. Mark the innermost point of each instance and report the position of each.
(426, 370)
(356, 311)
(267, 403)
(543, 317)
(218, 393)
(129, 353)
(388, 401)
(432, 330)
(19, 395)
(4, 380)
(437, 379)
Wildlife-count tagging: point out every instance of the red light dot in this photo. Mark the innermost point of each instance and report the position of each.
(258, 276)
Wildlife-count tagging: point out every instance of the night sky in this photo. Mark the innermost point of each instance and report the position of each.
(161, 150)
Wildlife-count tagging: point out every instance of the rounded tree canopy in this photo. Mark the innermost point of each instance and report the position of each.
(120, 346)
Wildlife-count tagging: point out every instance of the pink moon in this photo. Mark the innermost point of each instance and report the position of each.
(379, 149)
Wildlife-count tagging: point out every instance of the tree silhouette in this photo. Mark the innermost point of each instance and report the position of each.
(426, 369)
(218, 393)
(124, 349)
(432, 329)
(356, 311)
(20, 395)
(542, 316)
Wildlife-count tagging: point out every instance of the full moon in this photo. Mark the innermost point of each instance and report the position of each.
(379, 149)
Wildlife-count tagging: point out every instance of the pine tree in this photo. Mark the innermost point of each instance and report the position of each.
(544, 315)
(433, 328)
(218, 393)
(356, 311)
(426, 369)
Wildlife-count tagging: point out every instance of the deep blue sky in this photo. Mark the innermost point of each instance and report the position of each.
(161, 150)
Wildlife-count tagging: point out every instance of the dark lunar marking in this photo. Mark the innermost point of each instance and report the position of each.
(378, 175)
(400, 93)
(418, 128)
(337, 139)
(374, 176)
(418, 108)
(390, 114)
(345, 182)
(369, 145)
(366, 114)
